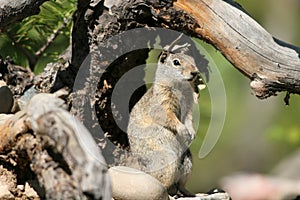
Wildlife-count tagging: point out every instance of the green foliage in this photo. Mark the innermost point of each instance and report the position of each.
(22, 41)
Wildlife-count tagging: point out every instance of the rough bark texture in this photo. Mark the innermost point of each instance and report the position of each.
(272, 65)
(59, 150)
(12, 11)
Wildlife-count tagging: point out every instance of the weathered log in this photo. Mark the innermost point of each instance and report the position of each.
(61, 151)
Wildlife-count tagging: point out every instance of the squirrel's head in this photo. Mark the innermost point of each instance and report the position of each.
(177, 66)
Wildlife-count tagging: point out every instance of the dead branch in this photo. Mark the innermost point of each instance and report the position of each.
(61, 151)
(272, 65)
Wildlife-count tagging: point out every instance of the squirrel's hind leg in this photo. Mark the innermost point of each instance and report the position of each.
(185, 192)
(180, 191)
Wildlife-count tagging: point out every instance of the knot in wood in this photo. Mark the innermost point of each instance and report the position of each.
(259, 88)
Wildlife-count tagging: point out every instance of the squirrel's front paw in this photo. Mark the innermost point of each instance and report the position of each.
(184, 136)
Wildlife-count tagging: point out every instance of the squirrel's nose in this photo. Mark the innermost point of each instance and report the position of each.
(195, 74)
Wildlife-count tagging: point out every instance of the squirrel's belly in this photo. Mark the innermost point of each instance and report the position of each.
(160, 156)
(172, 171)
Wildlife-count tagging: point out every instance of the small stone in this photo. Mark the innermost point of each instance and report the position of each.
(21, 187)
(25, 98)
(30, 192)
(132, 184)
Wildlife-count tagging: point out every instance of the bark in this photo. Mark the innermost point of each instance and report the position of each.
(12, 11)
(271, 64)
(59, 150)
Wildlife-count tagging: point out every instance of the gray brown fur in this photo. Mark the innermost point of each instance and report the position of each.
(160, 128)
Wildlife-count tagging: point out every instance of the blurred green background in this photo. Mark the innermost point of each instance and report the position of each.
(257, 133)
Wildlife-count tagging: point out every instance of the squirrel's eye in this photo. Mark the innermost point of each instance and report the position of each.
(176, 62)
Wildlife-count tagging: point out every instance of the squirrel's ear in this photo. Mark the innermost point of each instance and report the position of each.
(163, 57)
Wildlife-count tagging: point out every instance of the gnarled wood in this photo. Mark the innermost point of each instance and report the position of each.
(61, 152)
(271, 64)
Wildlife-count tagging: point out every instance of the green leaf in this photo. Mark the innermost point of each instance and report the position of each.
(33, 32)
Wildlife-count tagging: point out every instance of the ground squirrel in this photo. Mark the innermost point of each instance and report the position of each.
(160, 127)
